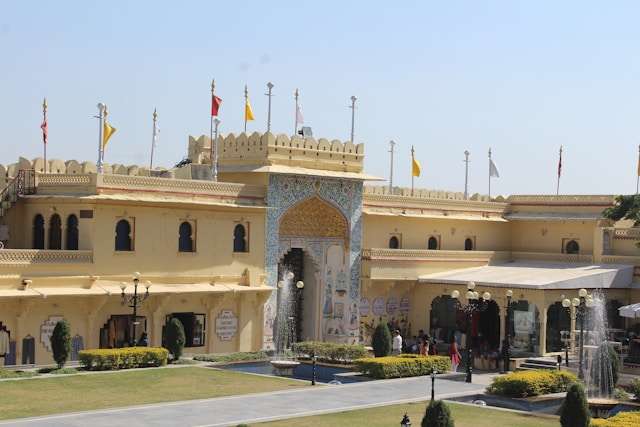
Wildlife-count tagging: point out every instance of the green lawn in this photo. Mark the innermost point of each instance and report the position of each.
(385, 416)
(33, 397)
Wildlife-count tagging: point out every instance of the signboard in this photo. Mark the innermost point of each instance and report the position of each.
(378, 306)
(364, 307)
(226, 325)
(46, 330)
(523, 322)
(404, 305)
(392, 305)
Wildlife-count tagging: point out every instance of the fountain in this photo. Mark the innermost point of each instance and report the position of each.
(283, 362)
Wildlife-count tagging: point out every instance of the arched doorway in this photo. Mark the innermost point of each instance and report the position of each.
(558, 320)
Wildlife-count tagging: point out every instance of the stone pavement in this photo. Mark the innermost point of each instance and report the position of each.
(234, 410)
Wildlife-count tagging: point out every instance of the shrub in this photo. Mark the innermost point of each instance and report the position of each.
(622, 419)
(6, 373)
(174, 338)
(634, 387)
(331, 352)
(437, 415)
(604, 363)
(405, 365)
(575, 411)
(61, 342)
(123, 358)
(381, 340)
(231, 357)
(531, 383)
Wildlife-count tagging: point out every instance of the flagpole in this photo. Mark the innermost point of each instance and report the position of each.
(638, 171)
(559, 172)
(100, 117)
(353, 116)
(104, 120)
(153, 140)
(214, 163)
(270, 87)
(44, 138)
(391, 145)
(412, 163)
(246, 99)
(466, 174)
(489, 173)
(212, 153)
(296, 94)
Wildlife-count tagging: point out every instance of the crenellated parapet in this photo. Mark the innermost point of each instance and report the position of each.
(238, 151)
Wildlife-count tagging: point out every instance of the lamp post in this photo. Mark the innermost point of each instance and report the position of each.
(134, 301)
(433, 384)
(580, 304)
(475, 304)
(506, 345)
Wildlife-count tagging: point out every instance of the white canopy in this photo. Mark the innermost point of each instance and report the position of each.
(632, 310)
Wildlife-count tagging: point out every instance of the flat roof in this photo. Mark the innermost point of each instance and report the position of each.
(539, 275)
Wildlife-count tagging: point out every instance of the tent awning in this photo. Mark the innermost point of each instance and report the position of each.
(632, 311)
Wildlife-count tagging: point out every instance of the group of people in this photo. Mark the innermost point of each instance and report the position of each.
(424, 345)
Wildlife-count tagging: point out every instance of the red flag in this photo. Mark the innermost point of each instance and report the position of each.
(45, 130)
(215, 105)
(560, 163)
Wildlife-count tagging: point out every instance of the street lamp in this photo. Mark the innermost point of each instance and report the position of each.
(406, 422)
(506, 345)
(475, 304)
(133, 301)
(433, 384)
(580, 304)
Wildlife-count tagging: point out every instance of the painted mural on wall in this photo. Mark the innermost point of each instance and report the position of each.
(334, 248)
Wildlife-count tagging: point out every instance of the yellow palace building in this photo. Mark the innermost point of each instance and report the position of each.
(212, 252)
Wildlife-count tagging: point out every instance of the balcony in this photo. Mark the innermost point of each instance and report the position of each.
(25, 257)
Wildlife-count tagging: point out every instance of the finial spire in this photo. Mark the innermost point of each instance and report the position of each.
(353, 116)
(213, 85)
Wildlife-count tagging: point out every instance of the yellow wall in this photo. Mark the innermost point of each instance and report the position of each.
(547, 236)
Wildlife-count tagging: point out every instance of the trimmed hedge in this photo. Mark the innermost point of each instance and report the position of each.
(331, 352)
(231, 357)
(405, 365)
(123, 358)
(531, 383)
(622, 419)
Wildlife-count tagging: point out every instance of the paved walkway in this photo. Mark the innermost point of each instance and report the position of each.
(234, 410)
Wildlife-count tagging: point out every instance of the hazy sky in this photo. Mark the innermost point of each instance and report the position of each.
(519, 77)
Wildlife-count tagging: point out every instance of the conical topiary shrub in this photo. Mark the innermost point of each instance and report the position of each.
(174, 338)
(381, 341)
(61, 342)
(437, 415)
(575, 410)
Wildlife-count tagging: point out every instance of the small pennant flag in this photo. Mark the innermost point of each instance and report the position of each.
(560, 163)
(215, 105)
(107, 132)
(299, 117)
(415, 167)
(493, 170)
(248, 112)
(45, 130)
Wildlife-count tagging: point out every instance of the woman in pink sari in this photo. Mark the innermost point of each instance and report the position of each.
(455, 355)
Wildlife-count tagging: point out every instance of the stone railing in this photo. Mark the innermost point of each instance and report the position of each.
(566, 200)
(409, 255)
(621, 259)
(551, 256)
(43, 256)
(626, 233)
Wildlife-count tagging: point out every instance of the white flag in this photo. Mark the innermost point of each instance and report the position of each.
(493, 170)
(299, 117)
(156, 133)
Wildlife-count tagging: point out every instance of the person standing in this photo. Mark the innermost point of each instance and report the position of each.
(455, 355)
(424, 346)
(396, 346)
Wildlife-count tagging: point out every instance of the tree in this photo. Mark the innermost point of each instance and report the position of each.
(61, 343)
(575, 411)
(437, 415)
(381, 341)
(625, 207)
(174, 338)
(605, 368)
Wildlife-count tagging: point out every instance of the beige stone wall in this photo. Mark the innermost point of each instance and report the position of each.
(547, 236)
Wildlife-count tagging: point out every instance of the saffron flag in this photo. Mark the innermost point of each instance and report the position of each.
(45, 130)
(299, 117)
(248, 112)
(107, 132)
(215, 105)
(415, 167)
(493, 170)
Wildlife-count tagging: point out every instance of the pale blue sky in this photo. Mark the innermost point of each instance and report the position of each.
(521, 77)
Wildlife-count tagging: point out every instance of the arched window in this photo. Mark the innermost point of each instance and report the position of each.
(239, 239)
(468, 244)
(38, 232)
(394, 243)
(71, 243)
(55, 232)
(572, 247)
(432, 243)
(123, 236)
(185, 239)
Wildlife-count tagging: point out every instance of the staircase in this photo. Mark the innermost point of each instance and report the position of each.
(24, 183)
(533, 363)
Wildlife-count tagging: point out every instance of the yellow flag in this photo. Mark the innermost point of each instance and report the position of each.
(107, 131)
(248, 112)
(415, 167)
